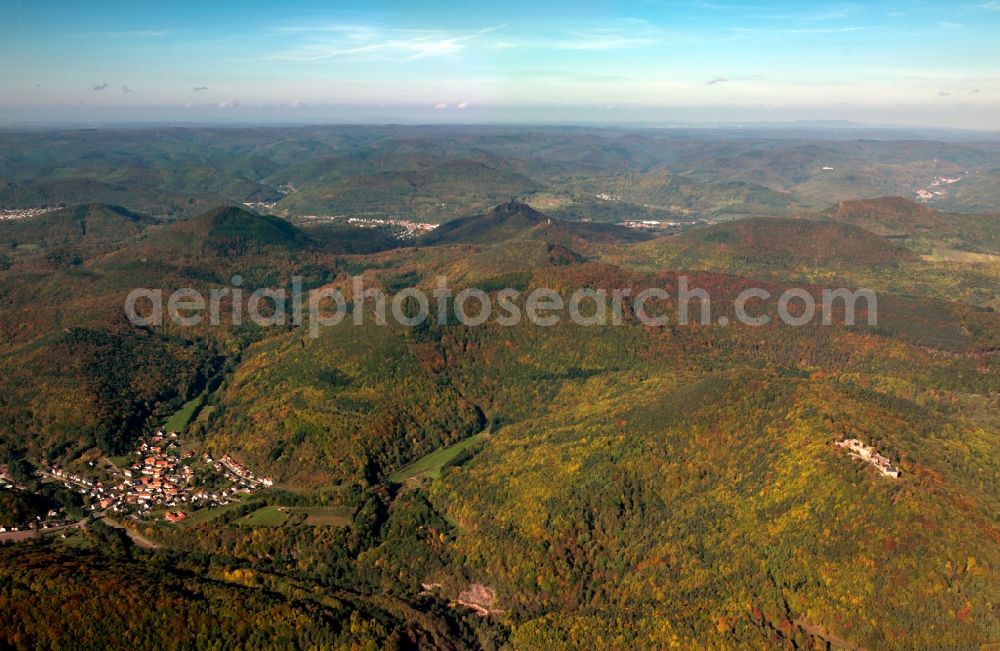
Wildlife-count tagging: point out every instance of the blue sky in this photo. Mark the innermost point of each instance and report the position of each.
(929, 63)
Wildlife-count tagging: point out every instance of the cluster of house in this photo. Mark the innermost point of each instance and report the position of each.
(410, 228)
(643, 223)
(241, 475)
(866, 453)
(23, 213)
(163, 474)
(51, 519)
(285, 190)
(928, 193)
(652, 224)
(260, 204)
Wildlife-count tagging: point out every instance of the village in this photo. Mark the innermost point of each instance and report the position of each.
(866, 453)
(410, 228)
(930, 193)
(672, 227)
(10, 214)
(284, 190)
(162, 475)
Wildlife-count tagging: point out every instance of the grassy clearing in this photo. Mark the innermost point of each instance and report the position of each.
(326, 516)
(269, 516)
(183, 416)
(314, 516)
(205, 515)
(204, 413)
(75, 539)
(430, 465)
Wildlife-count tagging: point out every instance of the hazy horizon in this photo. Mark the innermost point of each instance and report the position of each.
(412, 115)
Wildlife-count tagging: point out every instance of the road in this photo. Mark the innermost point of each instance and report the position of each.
(18, 536)
(137, 538)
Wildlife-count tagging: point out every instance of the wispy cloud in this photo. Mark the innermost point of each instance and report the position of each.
(126, 90)
(368, 43)
(363, 42)
(198, 89)
(993, 5)
(394, 48)
(99, 87)
(723, 80)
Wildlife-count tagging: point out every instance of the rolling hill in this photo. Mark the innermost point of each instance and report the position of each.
(772, 242)
(515, 220)
(89, 225)
(920, 227)
(889, 216)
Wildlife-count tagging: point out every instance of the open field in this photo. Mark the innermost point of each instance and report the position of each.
(314, 516)
(206, 515)
(326, 516)
(430, 465)
(269, 516)
(183, 416)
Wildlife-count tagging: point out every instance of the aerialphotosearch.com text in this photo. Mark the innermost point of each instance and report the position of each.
(543, 307)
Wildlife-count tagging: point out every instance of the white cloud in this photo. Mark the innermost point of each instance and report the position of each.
(360, 42)
(368, 43)
(441, 105)
(404, 49)
(463, 105)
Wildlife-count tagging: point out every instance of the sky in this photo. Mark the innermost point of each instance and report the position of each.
(906, 63)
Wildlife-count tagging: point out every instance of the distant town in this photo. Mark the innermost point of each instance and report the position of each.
(410, 228)
(12, 214)
(283, 190)
(936, 188)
